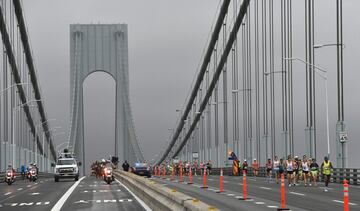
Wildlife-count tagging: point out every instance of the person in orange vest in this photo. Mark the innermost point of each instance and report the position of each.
(255, 167)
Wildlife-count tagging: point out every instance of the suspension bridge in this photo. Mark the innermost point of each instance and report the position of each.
(255, 95)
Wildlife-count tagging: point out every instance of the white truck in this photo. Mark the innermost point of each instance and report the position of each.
(66, 167)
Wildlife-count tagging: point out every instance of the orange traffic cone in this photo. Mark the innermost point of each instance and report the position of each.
(164, 173)
(244, 187)
(181, 174)
(204, 179)
(283, 203)
(190, 178)
(346, 195)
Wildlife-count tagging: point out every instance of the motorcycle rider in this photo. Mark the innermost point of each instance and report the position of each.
(23, 171)
(10, 168)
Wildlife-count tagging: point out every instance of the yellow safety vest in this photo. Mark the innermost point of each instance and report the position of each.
(326, 168)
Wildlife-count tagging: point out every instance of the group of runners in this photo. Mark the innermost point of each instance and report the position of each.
(185, 166)
(295, 169)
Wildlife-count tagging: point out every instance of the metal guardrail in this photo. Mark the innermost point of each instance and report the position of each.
(338, 175)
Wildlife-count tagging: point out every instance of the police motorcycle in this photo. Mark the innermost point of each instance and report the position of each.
(32, 173)
(10, 175)
(108, 173)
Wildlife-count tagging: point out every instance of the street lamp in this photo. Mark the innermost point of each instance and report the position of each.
(326, 96)
(1, 92)
(13, 117)
(13, 133)
(326, 45)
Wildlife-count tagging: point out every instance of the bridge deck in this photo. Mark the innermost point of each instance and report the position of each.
(266, 196)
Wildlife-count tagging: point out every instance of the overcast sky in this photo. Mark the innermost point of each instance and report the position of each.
(166, 40)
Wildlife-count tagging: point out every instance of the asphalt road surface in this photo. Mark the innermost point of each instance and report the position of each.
(87, 194)
(265, 195)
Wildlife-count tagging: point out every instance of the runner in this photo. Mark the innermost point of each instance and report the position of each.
(245, 166)
(281, 167)
(195, 167)
(305, 170)
(208, 167)
(326, 167)
(255, 167)
(276, 169)
(314, 168)
(289, 164)
(268, 167)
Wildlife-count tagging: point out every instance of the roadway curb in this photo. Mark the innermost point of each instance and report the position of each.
(158, 197)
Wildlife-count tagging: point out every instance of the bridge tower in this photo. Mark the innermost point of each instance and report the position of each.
(93, 48)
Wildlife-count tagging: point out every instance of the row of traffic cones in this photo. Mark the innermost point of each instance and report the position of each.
(245, 197)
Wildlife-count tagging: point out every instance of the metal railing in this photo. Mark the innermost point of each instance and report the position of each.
(337, 174)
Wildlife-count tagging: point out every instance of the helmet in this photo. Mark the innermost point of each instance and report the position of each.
(244, 160)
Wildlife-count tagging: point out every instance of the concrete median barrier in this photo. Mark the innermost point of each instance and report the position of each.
(157, 196)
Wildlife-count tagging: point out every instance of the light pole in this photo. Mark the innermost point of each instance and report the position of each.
(236, 142)
(43, 137)
(1, 92)
(326, 91)
(13, 126)
(285, 133)
(326, 96)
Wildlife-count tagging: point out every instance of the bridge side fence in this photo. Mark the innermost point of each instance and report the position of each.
(338, 175)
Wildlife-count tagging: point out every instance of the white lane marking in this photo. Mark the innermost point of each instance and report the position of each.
(299, 194)
(266, 188)
(211, 189)
(225, 182)
(28, 186)
(275, 207)
(211, 179)
(230, 194)
(8, 193)
(33, 194)
(238, 197)
(198, 186)
(19, 188)
(141, 202)
(353, 204)
(259, 202)
(240, 184)
(63, 199)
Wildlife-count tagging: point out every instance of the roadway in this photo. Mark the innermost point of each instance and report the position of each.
(88, 193)
(264, 195)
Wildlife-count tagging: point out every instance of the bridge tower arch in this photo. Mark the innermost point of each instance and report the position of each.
(101, 47)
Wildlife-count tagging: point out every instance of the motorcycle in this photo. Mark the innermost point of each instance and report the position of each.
(10, 177)
(108, 177)
(32, 175)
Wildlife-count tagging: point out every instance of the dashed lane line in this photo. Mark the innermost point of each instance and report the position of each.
(274, 207)
(295, 193)
(19, 188)
(8, 193)
(338, 201)
(266, 188)
(63, 199)
(141, 202)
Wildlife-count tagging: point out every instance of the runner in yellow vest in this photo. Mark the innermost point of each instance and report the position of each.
(326, 167)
